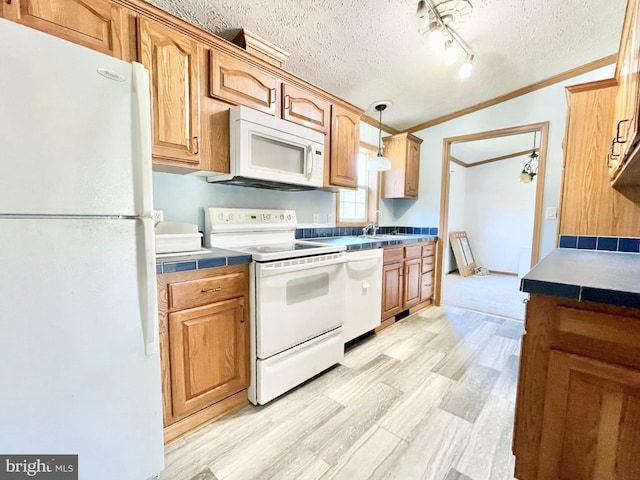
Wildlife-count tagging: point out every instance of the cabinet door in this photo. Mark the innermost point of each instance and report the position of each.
(591, 421)
(345, 141)
(391, 289)
(304, 108)
(412, 174)
(412, 287)
(96, 24)
(426, 286)
(172, 61)
(208, 347)
(240, 83)
(628, 71)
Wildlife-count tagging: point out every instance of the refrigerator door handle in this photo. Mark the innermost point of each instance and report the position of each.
(141, 124)
(147, 282)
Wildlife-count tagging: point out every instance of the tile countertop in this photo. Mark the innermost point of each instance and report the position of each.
(587, 276)
(220, 257)
(214, 257)
(360, 243)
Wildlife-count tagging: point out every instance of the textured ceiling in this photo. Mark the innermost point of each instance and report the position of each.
(369, 51)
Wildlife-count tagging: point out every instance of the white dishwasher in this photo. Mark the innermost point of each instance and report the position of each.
(363, 293)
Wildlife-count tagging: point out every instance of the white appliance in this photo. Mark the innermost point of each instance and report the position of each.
(364, 292)
(297, 297)
(269, 152)
(79, 360)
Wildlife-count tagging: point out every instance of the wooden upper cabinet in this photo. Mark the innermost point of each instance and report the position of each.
(304, 108)
(626, 126)
(173, 63)
(96, 24)
(208, 348)
(345, 141)
(402, 180)
(591, 423)
(236, 81)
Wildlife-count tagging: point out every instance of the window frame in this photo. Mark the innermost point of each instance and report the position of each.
(372, 187)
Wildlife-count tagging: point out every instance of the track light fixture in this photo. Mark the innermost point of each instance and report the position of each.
(438, 21)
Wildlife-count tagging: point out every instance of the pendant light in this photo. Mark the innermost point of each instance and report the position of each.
(527, 174)
(379, 163)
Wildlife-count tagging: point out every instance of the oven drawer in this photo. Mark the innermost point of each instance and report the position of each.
(284, 371)
(206, 290)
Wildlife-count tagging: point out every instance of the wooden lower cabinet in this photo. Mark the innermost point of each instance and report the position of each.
(392, 289)
(578, 397)
(407, 278)
(204, 345)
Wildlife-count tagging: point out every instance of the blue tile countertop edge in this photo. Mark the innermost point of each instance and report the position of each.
(220, 257)
(217, 257)
(607, 277)
(358, 243)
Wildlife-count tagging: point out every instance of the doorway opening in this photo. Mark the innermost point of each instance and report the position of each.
(482, 196)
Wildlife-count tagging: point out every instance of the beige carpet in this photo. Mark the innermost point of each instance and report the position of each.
(495, 294)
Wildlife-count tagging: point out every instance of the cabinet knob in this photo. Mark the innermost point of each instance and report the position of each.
(287, 102)
(196, 142)
(273, 96)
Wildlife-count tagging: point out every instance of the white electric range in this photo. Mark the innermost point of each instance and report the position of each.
(297, 296)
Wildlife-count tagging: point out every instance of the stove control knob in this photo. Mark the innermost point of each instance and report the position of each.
(268, 216)
(281, 216)
(289, 217)
(221, 216)
(231, 216)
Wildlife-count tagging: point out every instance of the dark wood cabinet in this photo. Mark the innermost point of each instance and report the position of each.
(407, 278)
(173, 64)
(578, 396)
(204, 345)
(402, 180)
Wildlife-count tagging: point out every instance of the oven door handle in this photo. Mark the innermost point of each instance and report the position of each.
(280, 267)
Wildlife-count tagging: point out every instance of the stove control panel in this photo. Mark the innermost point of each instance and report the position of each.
(248, 219)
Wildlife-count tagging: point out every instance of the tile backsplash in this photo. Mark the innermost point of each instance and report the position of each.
(339, 231)
(612, 244)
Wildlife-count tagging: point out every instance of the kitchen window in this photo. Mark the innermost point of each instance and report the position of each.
(355, 207)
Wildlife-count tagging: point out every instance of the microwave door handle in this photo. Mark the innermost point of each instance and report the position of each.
(309, 169)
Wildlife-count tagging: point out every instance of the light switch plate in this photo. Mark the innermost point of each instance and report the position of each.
(551, 213)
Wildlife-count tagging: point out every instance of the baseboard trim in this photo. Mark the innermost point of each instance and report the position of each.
(498, 272)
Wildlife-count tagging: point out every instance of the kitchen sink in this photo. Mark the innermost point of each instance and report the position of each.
(384, 237)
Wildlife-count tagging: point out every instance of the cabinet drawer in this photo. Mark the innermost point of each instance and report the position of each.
(428, 263)
(392, 255)
(428, 249)
(413, 251)
(206, 290)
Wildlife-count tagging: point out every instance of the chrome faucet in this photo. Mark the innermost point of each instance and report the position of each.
(367, 227)
(371, 226)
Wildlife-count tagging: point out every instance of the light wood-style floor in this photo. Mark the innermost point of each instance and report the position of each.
(430, 398)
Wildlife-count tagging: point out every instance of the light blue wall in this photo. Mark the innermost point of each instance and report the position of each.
(183, 197)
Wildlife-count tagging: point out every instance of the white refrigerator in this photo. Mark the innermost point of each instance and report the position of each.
(79, 361)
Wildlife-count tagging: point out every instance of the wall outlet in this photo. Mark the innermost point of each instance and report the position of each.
(316, 218)
(329, 219)
(158, 216)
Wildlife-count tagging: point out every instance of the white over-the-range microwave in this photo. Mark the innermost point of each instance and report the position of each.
(269, 152)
